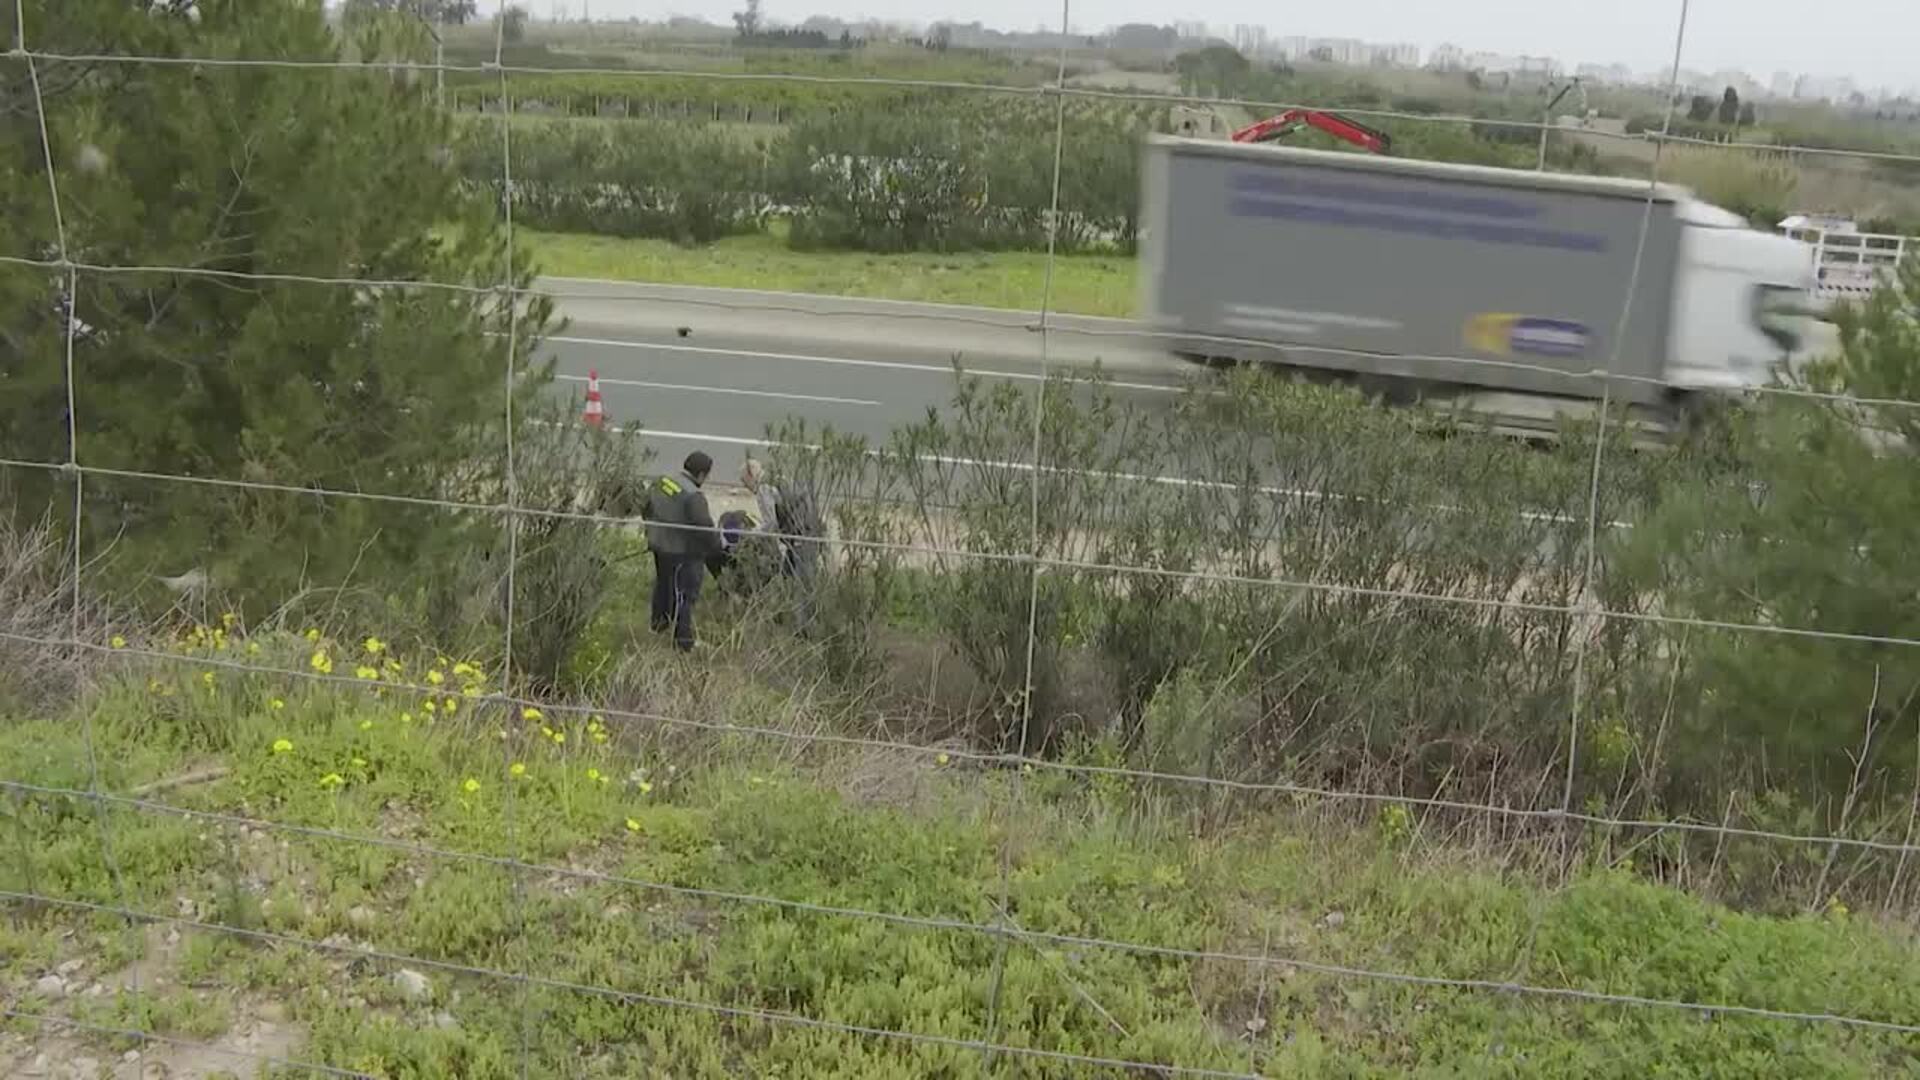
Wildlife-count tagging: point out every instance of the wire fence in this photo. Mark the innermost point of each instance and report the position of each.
(509, 702)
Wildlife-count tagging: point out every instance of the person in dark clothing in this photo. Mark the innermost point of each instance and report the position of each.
(681, 535)
(789, 511)
(734, 525)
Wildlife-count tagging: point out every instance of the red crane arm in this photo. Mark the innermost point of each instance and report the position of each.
(1340, 127)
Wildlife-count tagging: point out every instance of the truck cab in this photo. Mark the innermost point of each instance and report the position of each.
(1742, 304)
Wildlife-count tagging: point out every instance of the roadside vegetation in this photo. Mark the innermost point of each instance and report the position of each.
(1317, 705)
(337, 935)
(1082, 284)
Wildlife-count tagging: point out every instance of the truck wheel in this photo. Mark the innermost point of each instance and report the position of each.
(1695, 415)
(1391, 390)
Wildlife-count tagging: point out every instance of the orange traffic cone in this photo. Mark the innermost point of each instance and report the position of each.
(595, 413)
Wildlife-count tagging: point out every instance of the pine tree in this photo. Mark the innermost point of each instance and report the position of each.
(228, 172)
(1814, 526)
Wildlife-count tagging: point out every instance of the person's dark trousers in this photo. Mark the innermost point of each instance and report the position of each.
(689, 573)
(800, 561)
(661, 615)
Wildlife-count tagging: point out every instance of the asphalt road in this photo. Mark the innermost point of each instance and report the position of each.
(712, 369)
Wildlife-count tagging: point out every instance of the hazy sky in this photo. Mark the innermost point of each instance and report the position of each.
(1877, 42)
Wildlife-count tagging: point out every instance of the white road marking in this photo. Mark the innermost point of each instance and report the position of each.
(1272, 326)
(846, 361)
(704, 295)
(611, 381)
(696, 436)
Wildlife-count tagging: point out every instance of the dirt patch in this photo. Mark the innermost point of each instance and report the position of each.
(59, 1051)
(244, 1051)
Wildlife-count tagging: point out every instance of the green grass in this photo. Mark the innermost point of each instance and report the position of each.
(1082, 284)
(919, 837)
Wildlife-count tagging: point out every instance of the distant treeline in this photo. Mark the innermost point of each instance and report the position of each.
(897, 171)
(972, 177)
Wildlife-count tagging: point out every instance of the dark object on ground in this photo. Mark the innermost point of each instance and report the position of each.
(748, 560)
(683, 331)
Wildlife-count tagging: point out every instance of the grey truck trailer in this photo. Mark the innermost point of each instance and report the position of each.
(1499, 289)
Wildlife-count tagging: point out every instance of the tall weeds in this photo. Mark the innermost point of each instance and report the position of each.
(1275, 583)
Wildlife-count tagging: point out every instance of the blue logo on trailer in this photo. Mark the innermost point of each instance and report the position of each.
(1504, 334)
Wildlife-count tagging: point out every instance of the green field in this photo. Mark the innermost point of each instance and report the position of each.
(1082, 284)
(640, 817)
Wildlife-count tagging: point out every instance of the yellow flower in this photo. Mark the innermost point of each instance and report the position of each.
(321, 663)
(313, 634)
(471, 691)
(517, 769)
(276, 704)
(593, 774)
(632, 825)
(393, 665)
(365, 672)
(374, 646)
(530, 714)
(466, 670)
(598, 736)
(436, 678)
(941, 759)
(406, 718)
(559, 736)
(227, 619)
(547, 731)
(428, 706)
(366, 725)
(118, 642)
(471, 786)
(646, 788)
(359, 763)
(253, 648)
(282, 746)
(332, 780)
(452, 705)
(207, 677)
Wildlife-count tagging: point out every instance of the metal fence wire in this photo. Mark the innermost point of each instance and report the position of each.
(505, 699)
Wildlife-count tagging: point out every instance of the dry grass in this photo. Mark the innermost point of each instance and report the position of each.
(1734, 177)
(36, 605)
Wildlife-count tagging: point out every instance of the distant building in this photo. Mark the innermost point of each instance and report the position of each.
(1493, 63)
(1836, 89)
(1607, 74)
(1545, 67)
(1447, 57)
(1348, 51)
(1402, 55)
